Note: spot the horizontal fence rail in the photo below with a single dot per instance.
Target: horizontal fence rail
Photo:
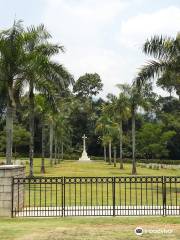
(95, 196)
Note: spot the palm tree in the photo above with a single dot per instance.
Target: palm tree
(165, 53)
(43, 148)
(112, 133)
(104, 140)
(51, 136)
(135, 96)
(42, 108)
(108, 129)
(63, 132)
(120, 110)
(101, 128)
(11, 61)
(41, 73)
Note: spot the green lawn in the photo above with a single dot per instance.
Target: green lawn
(96, 228)
(88, 228)
(101, 193)
(95, 168)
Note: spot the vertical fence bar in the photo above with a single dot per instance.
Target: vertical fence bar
(170, 189)
(40, 196)
(56, 190)
(164, 195)
(18, 198)
(29, 195)
(175, 183)
(125, 200)
(91, 196)
(107, 199)
(63, 197)
(12, 201)
(114, 195)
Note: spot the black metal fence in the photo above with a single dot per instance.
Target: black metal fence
(96, 196)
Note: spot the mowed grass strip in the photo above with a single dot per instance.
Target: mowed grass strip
(95, 168)
(81, 228)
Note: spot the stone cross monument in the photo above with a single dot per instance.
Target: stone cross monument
(84, 156)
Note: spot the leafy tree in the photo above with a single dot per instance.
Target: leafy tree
(153, 140)
(167, 81)
(88, 85)
(20, 138)
(169, 114)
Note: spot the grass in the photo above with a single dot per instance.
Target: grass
(96, 168)
(88, 228)
(92, 194)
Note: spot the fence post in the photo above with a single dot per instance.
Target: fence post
(164, 195)
(8, 192)
(114, 195)
(63, 196)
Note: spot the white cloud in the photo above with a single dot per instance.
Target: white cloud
(81, 21)
(98, 39)
(137, 29)
(81, 26)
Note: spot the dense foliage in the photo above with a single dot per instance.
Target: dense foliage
(50, 111)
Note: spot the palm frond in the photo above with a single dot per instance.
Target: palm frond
(160, 47)
(48, 49)
(151, 70)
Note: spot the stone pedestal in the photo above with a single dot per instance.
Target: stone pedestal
(7, 172)
(84, 157)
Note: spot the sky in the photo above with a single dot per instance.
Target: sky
(103, 36)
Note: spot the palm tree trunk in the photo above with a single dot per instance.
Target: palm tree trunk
(31, 126)
(9, 133)
(133, 143)
(55, 151)
(62, 150)
(43, 147)
(110, 152)
(58, 153)
(114, 156)
(15, 152)
(120, 145)
(105, 153)
(51, 144)
(9, 123)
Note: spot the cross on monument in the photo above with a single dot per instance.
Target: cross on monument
(84, 142)
(84, 156)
